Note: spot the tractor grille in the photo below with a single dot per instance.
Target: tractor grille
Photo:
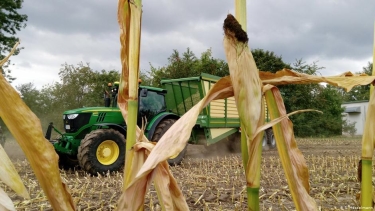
(77, 123)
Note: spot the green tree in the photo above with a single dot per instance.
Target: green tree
(10, 23)
(79, 86)
(328, 100)
(188, 65)
(31, 96)
(268, 61)
(296, 97)
(359, 93)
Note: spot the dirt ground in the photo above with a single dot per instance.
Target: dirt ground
(214, 179)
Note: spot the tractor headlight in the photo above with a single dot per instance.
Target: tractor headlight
(72, 116)
(64, 116)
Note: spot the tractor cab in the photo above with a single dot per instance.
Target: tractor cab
(151, 101)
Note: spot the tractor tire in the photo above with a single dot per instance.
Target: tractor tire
(160, 129)
(265, 141)
(233, 143)
(67, 162)
(271, 141)
(102, 151)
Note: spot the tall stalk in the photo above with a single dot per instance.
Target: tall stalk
(367, 149)
(251, 148)
(129, 15)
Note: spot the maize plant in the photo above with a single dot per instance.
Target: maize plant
(146, 162)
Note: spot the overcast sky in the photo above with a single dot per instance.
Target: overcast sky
(338, 34)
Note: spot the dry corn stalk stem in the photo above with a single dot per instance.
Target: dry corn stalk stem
(137, 146)
(247, 88)
(368, 144)
(129, 18)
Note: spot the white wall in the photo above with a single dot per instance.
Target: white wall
(356, 112)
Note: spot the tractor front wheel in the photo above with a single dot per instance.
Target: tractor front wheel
(102, 151)
(162, 127)
(67, 162)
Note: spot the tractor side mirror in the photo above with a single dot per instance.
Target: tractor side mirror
(143, 92)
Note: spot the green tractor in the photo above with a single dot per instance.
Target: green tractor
(95, 137)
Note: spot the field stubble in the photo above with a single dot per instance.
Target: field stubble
(216, 181)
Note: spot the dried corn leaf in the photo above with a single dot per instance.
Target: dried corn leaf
(168, 189)
(26, 129)
(346, 80)
(5, 202)
(170, 195)
(255, 154)
(132, 198)
(293, 162)
(9, 175)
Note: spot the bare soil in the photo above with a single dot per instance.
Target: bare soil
(213, 179)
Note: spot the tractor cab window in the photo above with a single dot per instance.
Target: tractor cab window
(151, 103)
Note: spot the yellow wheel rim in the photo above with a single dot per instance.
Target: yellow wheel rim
(107, 152)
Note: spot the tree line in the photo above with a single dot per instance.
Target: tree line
(78, 86)
(81, 86)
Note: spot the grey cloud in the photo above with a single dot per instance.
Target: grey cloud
(334, 32)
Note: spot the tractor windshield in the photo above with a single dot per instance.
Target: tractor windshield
(151, 104)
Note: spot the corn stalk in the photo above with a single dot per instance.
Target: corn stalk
(251, 147)
(248, 97)
(368, 142)
(129, 18)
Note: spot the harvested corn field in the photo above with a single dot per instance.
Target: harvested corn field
(210, 182)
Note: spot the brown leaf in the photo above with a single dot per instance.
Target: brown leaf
(293, 162)
(346, 80)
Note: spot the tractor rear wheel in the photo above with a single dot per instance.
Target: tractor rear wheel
(162, 127)
(102, 151)
(270, 138)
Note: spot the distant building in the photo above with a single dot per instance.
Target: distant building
(356, 112)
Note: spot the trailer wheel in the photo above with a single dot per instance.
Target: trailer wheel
(67, 162)
(161, 128)
(102, 151)
(234, 143)
(265, 141)
(270, 138)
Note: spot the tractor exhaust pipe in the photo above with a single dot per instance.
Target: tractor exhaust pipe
(49, 131)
